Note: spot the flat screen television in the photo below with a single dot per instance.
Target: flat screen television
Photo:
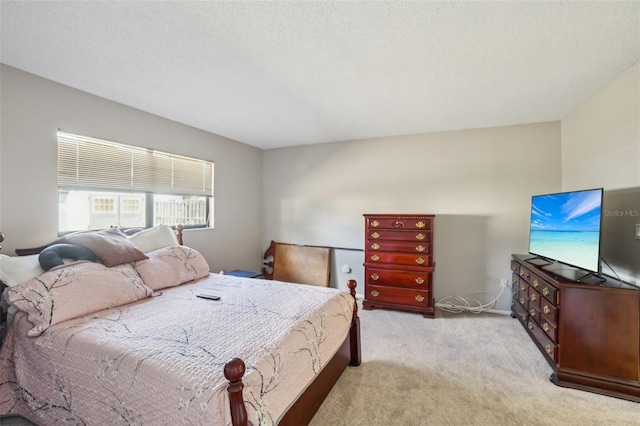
(565, 227)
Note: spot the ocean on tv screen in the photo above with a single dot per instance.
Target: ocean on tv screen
(566, 227)
(580, 249)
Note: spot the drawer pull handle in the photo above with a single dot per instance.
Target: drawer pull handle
(523, 316)
(375, 293)
(375, 235)
(420, 248)
(375, 223)
(545, 327)
(375, 277)
(548, 349)
(535, 283)
(513, 303)
(545, 291)
(398, 224)
(419, 280)
(375, 246)
(532, 312)
(420, 225)
(420, 237)
(546, 309)
(420, 261)
(522, 272)
(522, 300)
(375, 257)
(523, 287)
(530, 325)
(534, 297)
(513, 267)
(515, 280)
(419, 298)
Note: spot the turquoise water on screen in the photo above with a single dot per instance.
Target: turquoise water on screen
(578, 248)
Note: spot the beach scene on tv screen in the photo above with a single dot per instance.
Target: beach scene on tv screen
(566, 227)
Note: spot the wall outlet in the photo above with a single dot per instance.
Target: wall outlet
(504, 282)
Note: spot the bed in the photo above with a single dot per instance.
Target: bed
(133, 343)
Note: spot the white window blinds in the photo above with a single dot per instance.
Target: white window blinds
(93, 164)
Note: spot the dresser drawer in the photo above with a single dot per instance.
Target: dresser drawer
(536, 282)
(515, 267)
(534, 298)
(519, 311)
(418, 298)
(548, 328)
(550, 311)
(523, 298)
(398, 259)
(515, 289)
(534, 312)
(518, 284)
(525, 274)
(395, 278)
(415, 236)
(414, 223)
(398, 246)
(549, 292)
(547, 345)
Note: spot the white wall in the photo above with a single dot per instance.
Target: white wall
(478, 182)
(601, 148)
(33, 109)
(601, 138)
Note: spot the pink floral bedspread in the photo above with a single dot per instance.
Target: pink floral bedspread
(159, 361)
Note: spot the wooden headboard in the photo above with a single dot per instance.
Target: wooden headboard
(297, 264)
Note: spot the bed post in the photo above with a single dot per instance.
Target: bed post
(179, 229)
(267, 264)
(233, 372)
(354, 333)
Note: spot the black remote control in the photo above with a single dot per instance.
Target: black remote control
(208, 296)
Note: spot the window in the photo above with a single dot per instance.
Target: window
(103, 205)
(102, 184)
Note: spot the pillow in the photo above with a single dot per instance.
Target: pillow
(154, 238)
(53, 255)
(75, 290)
(15, 270)
(111, 246)
(171, 266)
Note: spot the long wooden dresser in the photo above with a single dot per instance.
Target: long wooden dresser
(398, 262)
(588, 333)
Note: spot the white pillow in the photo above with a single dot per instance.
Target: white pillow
(15, 270)
(154, 238)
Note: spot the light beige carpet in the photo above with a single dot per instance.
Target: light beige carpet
(459, 369)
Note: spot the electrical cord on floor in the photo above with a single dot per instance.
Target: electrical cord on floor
(457, 304)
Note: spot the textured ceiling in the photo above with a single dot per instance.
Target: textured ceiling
(275, 74)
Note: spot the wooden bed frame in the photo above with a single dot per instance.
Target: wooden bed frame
(294, 263)
(304, 408)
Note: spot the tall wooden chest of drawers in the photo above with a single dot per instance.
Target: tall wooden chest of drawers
(398, 262)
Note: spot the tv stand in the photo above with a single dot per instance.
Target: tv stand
(588, 333)
(592, 274)
(543, 261)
